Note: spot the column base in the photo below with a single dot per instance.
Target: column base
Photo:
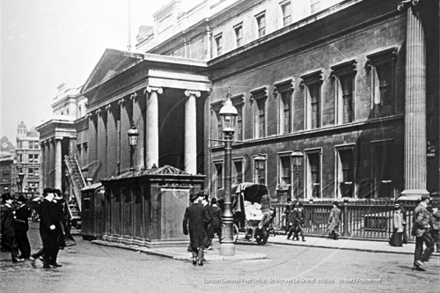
(413, 194)
(227, 249)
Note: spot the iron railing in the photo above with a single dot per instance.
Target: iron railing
(362, 219)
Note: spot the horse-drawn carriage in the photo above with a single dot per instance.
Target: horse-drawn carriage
(249, 202)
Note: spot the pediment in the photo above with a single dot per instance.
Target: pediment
(110, 64)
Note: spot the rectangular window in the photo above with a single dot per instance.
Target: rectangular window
(286, 113)
(285, 171)
(315, 101)
(237, 172)
(383, 170)
(37, 145)
(239, 35)
(345, 173)
(219, 44)
(239, 123)
(313, 175)
(261, 117)
(31, 145)
(287, 13)
(218, 175)
(260, 171)
(261, 25)
(346, 101)
(381, 68)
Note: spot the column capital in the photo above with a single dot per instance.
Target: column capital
(108, 107)
(58, 138)
(121, 102)
(193, 93)
(98, 111)
(133, 96)
(149, 89)
(406, 3)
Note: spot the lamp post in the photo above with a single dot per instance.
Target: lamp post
(260, 162)
(133, 134)
(228, 114)
(297, 158)
(20, 179)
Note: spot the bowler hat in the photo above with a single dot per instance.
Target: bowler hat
(46, 191)
(21, 198)
(6, 196)
(425, 196)
(193, 197)
(335, 203)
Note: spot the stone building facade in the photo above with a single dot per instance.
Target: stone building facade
(353, 85)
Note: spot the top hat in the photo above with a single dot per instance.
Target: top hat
(46, 191)
(193, 197)
(6, 196)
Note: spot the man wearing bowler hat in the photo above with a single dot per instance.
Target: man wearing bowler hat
(194, 224)
(421, 231)
(21, 215)
(7, 227)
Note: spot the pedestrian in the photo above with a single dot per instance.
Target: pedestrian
(216, 223)
(21, 216)
(205, 203)
(404, 221)
(334, 220)
(50, 229)
(298, 222)
(421, 231)
(262, 234)
(435, 226)
(8, 241)
(396, 237)
(194, 224)
(63, 215)
(287, 215)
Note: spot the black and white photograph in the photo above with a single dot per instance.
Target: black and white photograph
(220, 146)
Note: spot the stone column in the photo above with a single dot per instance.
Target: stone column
(112, 140)
(92, 152)
(58, 164)
(101, 143)
(415, 103)
(50, 163)
(125, 126)
(152, 126)
(42, 171)
(190, 152)
(138, 120)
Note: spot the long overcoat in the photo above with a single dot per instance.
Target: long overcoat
(216, 222)
(49, 216)
(334, 219)
(194, 224)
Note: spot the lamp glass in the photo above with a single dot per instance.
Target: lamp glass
(228, 114)
(133, 134)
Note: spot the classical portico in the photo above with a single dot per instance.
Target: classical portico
(57, 139)
(162, 96)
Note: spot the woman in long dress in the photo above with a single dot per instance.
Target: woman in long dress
(396, 237)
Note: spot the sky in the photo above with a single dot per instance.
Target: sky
(48, 42)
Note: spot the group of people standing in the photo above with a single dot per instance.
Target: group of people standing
(202, 220)
(54, 227)
(14, 227)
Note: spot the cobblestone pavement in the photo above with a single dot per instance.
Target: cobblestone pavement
(93, 268)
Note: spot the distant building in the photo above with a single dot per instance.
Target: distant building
(27, 159)
(7, 167)
(59, 135)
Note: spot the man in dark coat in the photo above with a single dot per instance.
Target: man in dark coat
(298, 222)
(334, 221)
(421, 230)
(8, 227)
(288, 215)
(194, 224)
(22, 214)
(50, 229)
(215, 227)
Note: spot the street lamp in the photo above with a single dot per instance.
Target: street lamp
(297, 158)
(133, 134)
(228, 114)
(260, 162)
(20, 179)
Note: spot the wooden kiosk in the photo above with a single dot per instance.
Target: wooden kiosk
(147, 207)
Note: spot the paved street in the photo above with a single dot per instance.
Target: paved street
(95, 268)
